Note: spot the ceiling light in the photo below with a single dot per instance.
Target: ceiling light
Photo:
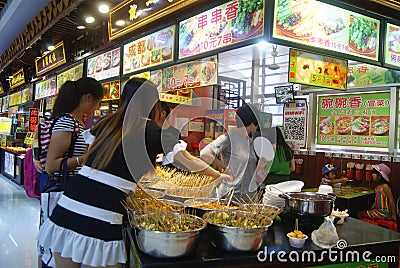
(10, 77)
(51, 47)
(120, 23)
(81, 27)
(104, 8)
(89, 19)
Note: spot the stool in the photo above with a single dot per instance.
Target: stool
(392, 225)
(369, 221)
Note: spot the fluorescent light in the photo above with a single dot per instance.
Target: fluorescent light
(81, 27)
(89, 19)
(104, 8)
(120, 23)
(51, 47)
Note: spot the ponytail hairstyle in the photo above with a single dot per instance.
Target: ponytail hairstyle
(70, 94)
(108, 130)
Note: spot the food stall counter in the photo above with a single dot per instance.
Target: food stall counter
(359, 236)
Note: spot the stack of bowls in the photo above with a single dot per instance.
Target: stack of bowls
(272, 192)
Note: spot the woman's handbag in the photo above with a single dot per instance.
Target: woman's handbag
(51, 193)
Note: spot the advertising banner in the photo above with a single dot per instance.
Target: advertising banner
(27, 94)
(15, 99)
(72, 74)
(105, 65)
(368, 75)
(392, 46)
(33, 119)
(18, 78)
(229, 23)
(177, 81)
(317, 24)
(152, 50)
(317, 70)
(295, 123)
(45, 88)
(112, 90)
(354, 120)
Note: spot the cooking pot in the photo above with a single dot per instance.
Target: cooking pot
(309, 204)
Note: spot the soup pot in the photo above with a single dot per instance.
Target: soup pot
(309, 204)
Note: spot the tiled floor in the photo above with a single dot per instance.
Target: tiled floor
(19, 221)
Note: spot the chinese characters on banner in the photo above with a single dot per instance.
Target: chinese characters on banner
(317, 24)
(177, 81)
(368, 75)
(227, 24)
(72, 74)
(51, 60)
(392, 47)
(295, 123)
(149, 51)
(105, 65)
(317, 70)
(354, 120)
(33, 119)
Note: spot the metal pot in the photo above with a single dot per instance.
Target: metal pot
(309, 204)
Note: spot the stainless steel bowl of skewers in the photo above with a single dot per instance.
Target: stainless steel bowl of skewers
(236, 231)
(167, 235)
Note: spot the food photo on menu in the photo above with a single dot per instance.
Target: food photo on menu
(343, 125)
(360, 125)
(327, 125)
(380, 125)
(362, 34)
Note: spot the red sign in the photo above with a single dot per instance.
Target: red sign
(33, 119)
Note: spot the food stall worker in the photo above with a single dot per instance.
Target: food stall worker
(237, 152)
(328, 171)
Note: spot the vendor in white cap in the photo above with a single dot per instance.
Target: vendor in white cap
(328, 171)
(383, 207)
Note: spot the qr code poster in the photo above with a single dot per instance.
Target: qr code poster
(295, 123)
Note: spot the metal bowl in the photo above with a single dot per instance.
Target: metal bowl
(309, 203)
(234, 239)
(167, 244)
(176, 205)
(192, 206)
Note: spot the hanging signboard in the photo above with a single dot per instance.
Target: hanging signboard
(18, 78)
(149, 51)
(26, 94)
(112, 90)
(51, 60)
(392, 46)
(368, 75)
(354, 120)
(133, 14)
(72, 74)
(295, 123)
(15, 98)
(321, 25)
(177, 81)
(317, 70)
(105, 65)
(45, 88)
(33, 119)
(227, 24)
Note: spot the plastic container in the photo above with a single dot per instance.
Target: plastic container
(297, 242)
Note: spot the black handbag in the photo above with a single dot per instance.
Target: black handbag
(58, 183)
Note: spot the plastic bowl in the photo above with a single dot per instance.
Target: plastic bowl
(297, 242)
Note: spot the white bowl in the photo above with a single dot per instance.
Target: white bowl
(297, 242)
(325, 189)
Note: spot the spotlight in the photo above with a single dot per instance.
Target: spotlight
(89, 19)
(81, 27)
(51, 47)
(103, 8)
(120, 23)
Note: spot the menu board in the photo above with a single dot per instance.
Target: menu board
(177, 81)
(15, 99)
(45, 88)
(368, 75)
(5, 125)
(6, 100)
(295, 123)
(27, 94)
(226, 24)
(354, 120)
(112, 90)
(321, 25)
(149, 51)
(317, 70)
(105, 65)
(72, 74)
(392, 46)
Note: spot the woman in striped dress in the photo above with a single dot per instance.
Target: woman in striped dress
(384, 206)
